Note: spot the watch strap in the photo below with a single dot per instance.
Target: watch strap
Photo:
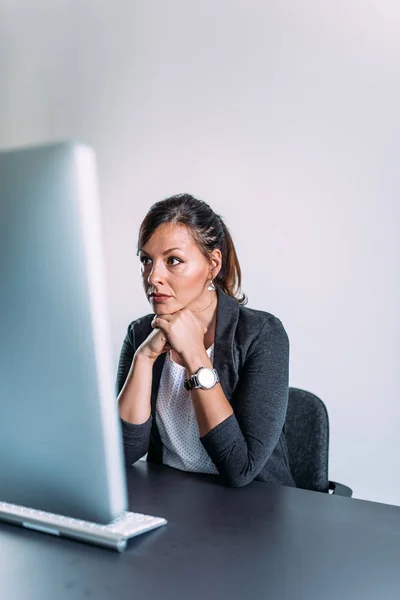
(192, 382)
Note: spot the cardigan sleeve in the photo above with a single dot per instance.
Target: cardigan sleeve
(241, 445)
(136, 438)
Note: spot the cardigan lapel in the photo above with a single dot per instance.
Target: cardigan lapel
(155, 448)
(224, 355)
(157, 370)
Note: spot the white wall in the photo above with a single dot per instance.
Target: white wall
(284, 116)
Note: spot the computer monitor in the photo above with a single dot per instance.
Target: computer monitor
(60, 440)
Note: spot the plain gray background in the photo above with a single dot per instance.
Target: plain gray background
(284, 116)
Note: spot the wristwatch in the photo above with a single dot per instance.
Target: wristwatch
(204, 378)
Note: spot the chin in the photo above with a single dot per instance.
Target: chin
(166, 309)
(161, 311)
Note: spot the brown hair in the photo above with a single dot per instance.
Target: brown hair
(208, 230)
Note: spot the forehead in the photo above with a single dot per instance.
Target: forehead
(171, 235)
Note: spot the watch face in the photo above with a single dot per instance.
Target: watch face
(206, 377)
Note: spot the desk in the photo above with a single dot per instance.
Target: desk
(257, 542)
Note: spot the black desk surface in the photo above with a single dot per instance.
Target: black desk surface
(258, 542)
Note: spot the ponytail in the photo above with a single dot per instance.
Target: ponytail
(229, 279)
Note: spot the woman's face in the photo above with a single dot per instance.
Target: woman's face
(172, 264)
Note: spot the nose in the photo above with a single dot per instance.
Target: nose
(155, 275)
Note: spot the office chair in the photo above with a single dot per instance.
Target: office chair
(307, 435)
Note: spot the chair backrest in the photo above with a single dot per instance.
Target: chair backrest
(307, 436)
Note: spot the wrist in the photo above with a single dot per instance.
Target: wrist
(143, 358)
(195, 361)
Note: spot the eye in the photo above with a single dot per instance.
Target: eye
(174, 258)
(145, 260)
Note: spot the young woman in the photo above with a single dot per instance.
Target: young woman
(202, 381)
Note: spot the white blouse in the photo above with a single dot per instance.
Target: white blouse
(177, 423)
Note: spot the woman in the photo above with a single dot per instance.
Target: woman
(202, 384)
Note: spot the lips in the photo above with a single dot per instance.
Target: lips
(159, 296)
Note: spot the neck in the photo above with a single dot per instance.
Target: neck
(207, 315)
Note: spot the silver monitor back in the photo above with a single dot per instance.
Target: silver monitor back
(60, 440)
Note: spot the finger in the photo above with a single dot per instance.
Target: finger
(160, 323)
(168, 317)
(164, 338)
(154, 323)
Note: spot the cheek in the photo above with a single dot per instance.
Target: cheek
(190, 275)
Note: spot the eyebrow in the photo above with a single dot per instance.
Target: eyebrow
(165, 252)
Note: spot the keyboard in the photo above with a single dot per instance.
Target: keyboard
(115, 535)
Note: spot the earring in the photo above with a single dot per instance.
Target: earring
(211, 287)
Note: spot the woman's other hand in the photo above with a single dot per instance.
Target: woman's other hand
(183, 331)
(155, 344)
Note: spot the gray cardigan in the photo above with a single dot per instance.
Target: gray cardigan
(251, 355)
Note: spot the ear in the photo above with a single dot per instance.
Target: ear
(215, 262)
